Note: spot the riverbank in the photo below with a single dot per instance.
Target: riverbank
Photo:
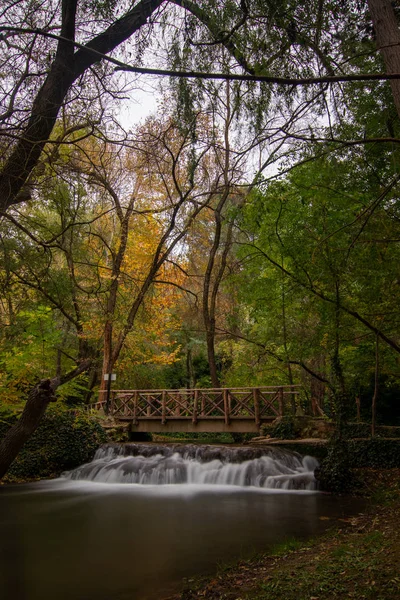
(357, 558)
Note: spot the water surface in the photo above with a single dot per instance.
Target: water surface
(77, 540)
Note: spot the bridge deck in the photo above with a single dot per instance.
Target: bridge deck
(199, 410)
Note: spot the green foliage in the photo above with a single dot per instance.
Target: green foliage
(63, 440)
(334, 474)
(387, 405)
(100, 8)
(204, 437)
(356, 430)
(312, 242)
(363, 430)
(285, 429)
(29, 352)
(375, 453)
(176, 376)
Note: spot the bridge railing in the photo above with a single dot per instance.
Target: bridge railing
(227, 404)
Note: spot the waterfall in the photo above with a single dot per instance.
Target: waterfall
(268, 468)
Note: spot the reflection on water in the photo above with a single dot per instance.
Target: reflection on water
(67, 540)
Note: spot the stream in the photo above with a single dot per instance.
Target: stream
(139, 518)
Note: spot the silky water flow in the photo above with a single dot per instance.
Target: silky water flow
(268, 468)
(140, 517)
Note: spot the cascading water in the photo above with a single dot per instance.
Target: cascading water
(267, 468)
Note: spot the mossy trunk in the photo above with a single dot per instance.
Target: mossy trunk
(38, 400)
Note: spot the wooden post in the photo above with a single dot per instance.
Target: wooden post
(196, 396)
(226, 406)
(178, 399)
(280, 402)
(256, 399)
(203, 404)
(135, 407)
(163, 408)
(148, 406)
(108, 394)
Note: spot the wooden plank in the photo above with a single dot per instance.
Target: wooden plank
(222, 405)
(204, 425)
(232, 389)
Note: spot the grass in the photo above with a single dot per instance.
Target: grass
(352, 569)
(358, 559)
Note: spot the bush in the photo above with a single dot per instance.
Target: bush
(335, 473)
(64, 440)
(375, 453)
(356, 430)
(363, 430)
(284, 428)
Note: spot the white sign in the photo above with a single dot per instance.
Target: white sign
(113, 376)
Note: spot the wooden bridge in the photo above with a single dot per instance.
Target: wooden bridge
(199, 410)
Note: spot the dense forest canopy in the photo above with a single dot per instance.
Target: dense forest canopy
(246, 233)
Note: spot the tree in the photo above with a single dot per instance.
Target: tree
(75, 47)
(334, 246)
(164, 194)
(52, 73)
(387, 32)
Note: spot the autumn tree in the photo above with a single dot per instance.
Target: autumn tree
(67, 62)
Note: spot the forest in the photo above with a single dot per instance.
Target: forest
(245, 232)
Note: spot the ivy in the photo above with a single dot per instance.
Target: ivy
(64, 440)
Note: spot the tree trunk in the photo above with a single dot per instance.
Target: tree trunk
(190, 374)
(67, 67)
(340, 393)
(375, 396)
(284, 331)
(387, 41)
(107, 360)
(212, 362)
(93, 378)
(38, 400)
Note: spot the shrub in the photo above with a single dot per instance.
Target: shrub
(375, 453)
(63, 440)
(363, 430)
(334, 474)
(356, 430)
(284, 428)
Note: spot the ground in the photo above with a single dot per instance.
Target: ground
(357, 558)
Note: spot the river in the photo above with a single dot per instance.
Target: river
(78, 538)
